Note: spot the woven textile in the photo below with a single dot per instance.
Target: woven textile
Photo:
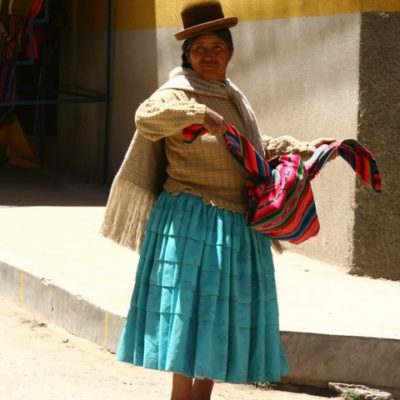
(10, 37)
(6, 81)
(15, 7)
(281, 201)
(10, 47)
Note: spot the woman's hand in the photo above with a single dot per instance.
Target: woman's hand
(214, 122)
(313, 145)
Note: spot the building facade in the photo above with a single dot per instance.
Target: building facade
(310, 69)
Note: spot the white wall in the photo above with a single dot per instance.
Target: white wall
(302, 77)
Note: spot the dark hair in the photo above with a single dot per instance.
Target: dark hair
(224, 33)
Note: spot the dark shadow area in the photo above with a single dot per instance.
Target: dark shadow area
(43, 187)
(377, 217)
(73, 152)
(135, 77)
(300, 389)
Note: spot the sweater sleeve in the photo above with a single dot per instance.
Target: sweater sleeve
(284, 145)
(166, 113)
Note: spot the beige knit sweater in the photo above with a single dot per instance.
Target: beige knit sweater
(205, 167)
(158, 158)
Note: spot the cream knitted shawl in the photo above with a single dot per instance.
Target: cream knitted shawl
(142, 174)
(187, 80)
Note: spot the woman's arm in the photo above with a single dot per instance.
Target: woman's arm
(166, 113)
(284, 145)
(289, 145)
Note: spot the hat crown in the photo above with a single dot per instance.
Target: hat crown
(203, 16)
(199, 12)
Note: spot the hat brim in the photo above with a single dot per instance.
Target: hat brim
(206, 27)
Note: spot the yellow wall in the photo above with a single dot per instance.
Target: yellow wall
(142, 14)
(168, 13)
(127, 14)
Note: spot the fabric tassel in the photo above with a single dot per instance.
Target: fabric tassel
(127, 212)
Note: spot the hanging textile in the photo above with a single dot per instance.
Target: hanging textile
(15, 7)
(10, 47)
(10, 37)
(14, 20)
(30, 50)
(6, 82)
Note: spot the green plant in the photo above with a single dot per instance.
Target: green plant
(263, 385)
(351, 395)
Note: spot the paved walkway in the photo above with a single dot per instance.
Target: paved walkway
(60, 366)
(49, 227)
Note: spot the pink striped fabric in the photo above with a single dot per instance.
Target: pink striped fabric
(281, 201)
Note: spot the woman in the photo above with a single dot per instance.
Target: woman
(204, 305)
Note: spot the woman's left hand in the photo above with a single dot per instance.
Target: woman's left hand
(313, 145)
(214, 122)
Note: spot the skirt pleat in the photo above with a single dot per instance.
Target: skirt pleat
(204, 302)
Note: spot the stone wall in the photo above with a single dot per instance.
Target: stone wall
(377, 218)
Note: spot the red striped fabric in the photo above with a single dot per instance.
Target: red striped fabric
(7, 81)
(10, 37)
(281, 201)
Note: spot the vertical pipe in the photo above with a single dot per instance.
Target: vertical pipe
(42, 132)
(41, 95)
(106, 150)
(74, 53)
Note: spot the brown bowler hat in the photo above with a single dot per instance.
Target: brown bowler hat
(203, 16)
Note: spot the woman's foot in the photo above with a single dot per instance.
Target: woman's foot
(181, 387)
(202, 389)
(185, 388)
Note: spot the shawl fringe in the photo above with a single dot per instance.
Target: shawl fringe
(127, 212)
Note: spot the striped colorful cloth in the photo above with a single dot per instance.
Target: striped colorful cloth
(281, 201)
(10, 47)
(356, 155)
(7, 82)
(10, 37)
(15, 7)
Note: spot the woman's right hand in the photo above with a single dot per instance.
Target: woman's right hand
(214, 122)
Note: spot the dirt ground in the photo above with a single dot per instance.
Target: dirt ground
(40, 361)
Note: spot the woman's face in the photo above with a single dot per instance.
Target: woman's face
(209, 56)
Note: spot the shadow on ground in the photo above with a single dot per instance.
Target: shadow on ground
(300, 389)
(42, 187)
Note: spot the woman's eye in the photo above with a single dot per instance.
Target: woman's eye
(214, 49)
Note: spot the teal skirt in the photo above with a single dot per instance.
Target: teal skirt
(204, 302)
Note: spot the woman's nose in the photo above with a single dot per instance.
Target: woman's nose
(209, 53)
